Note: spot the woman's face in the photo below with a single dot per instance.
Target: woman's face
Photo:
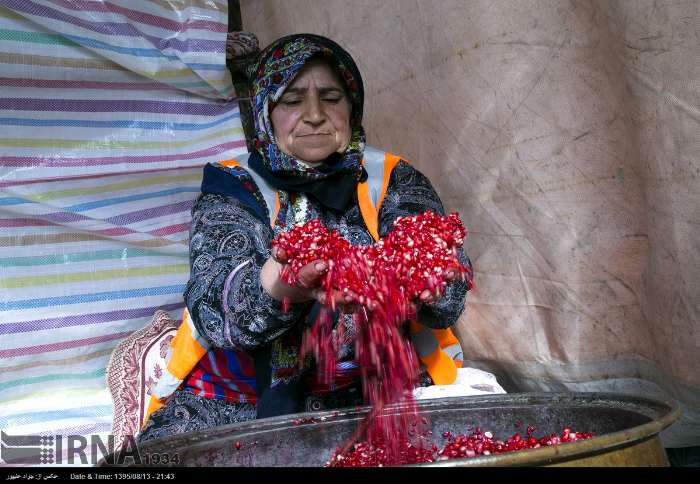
(312, 118)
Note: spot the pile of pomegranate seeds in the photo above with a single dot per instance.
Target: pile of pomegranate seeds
(364, 454)
(385, 280)
(477, 443)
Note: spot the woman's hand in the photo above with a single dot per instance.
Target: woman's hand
(427, 296)
(309, 287)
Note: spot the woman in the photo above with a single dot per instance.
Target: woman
(309, 150)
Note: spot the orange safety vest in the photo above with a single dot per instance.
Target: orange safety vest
(437, 349)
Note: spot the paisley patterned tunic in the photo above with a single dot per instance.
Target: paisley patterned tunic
(230, 240)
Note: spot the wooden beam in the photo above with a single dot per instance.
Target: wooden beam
(239, 76)
(234, 16)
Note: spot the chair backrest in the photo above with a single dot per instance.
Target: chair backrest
(135, 367)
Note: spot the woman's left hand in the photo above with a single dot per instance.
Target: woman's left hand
(451, 275)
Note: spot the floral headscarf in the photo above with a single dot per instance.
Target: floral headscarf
(278, 65)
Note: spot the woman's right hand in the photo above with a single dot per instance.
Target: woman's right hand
(309, 286)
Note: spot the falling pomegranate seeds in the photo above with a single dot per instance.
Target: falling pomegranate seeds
(385, 280)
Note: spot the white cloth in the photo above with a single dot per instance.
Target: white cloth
(470, 381)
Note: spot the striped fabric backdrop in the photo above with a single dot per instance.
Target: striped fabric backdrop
(108, 111)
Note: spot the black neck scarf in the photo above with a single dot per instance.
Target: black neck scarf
(335, 190)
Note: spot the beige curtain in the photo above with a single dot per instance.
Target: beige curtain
(567, 136)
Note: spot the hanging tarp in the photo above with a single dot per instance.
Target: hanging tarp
(108, 111)
(566, 135)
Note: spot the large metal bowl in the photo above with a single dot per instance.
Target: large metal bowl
(626, 432)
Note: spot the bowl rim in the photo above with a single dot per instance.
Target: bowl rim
(662, 412)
